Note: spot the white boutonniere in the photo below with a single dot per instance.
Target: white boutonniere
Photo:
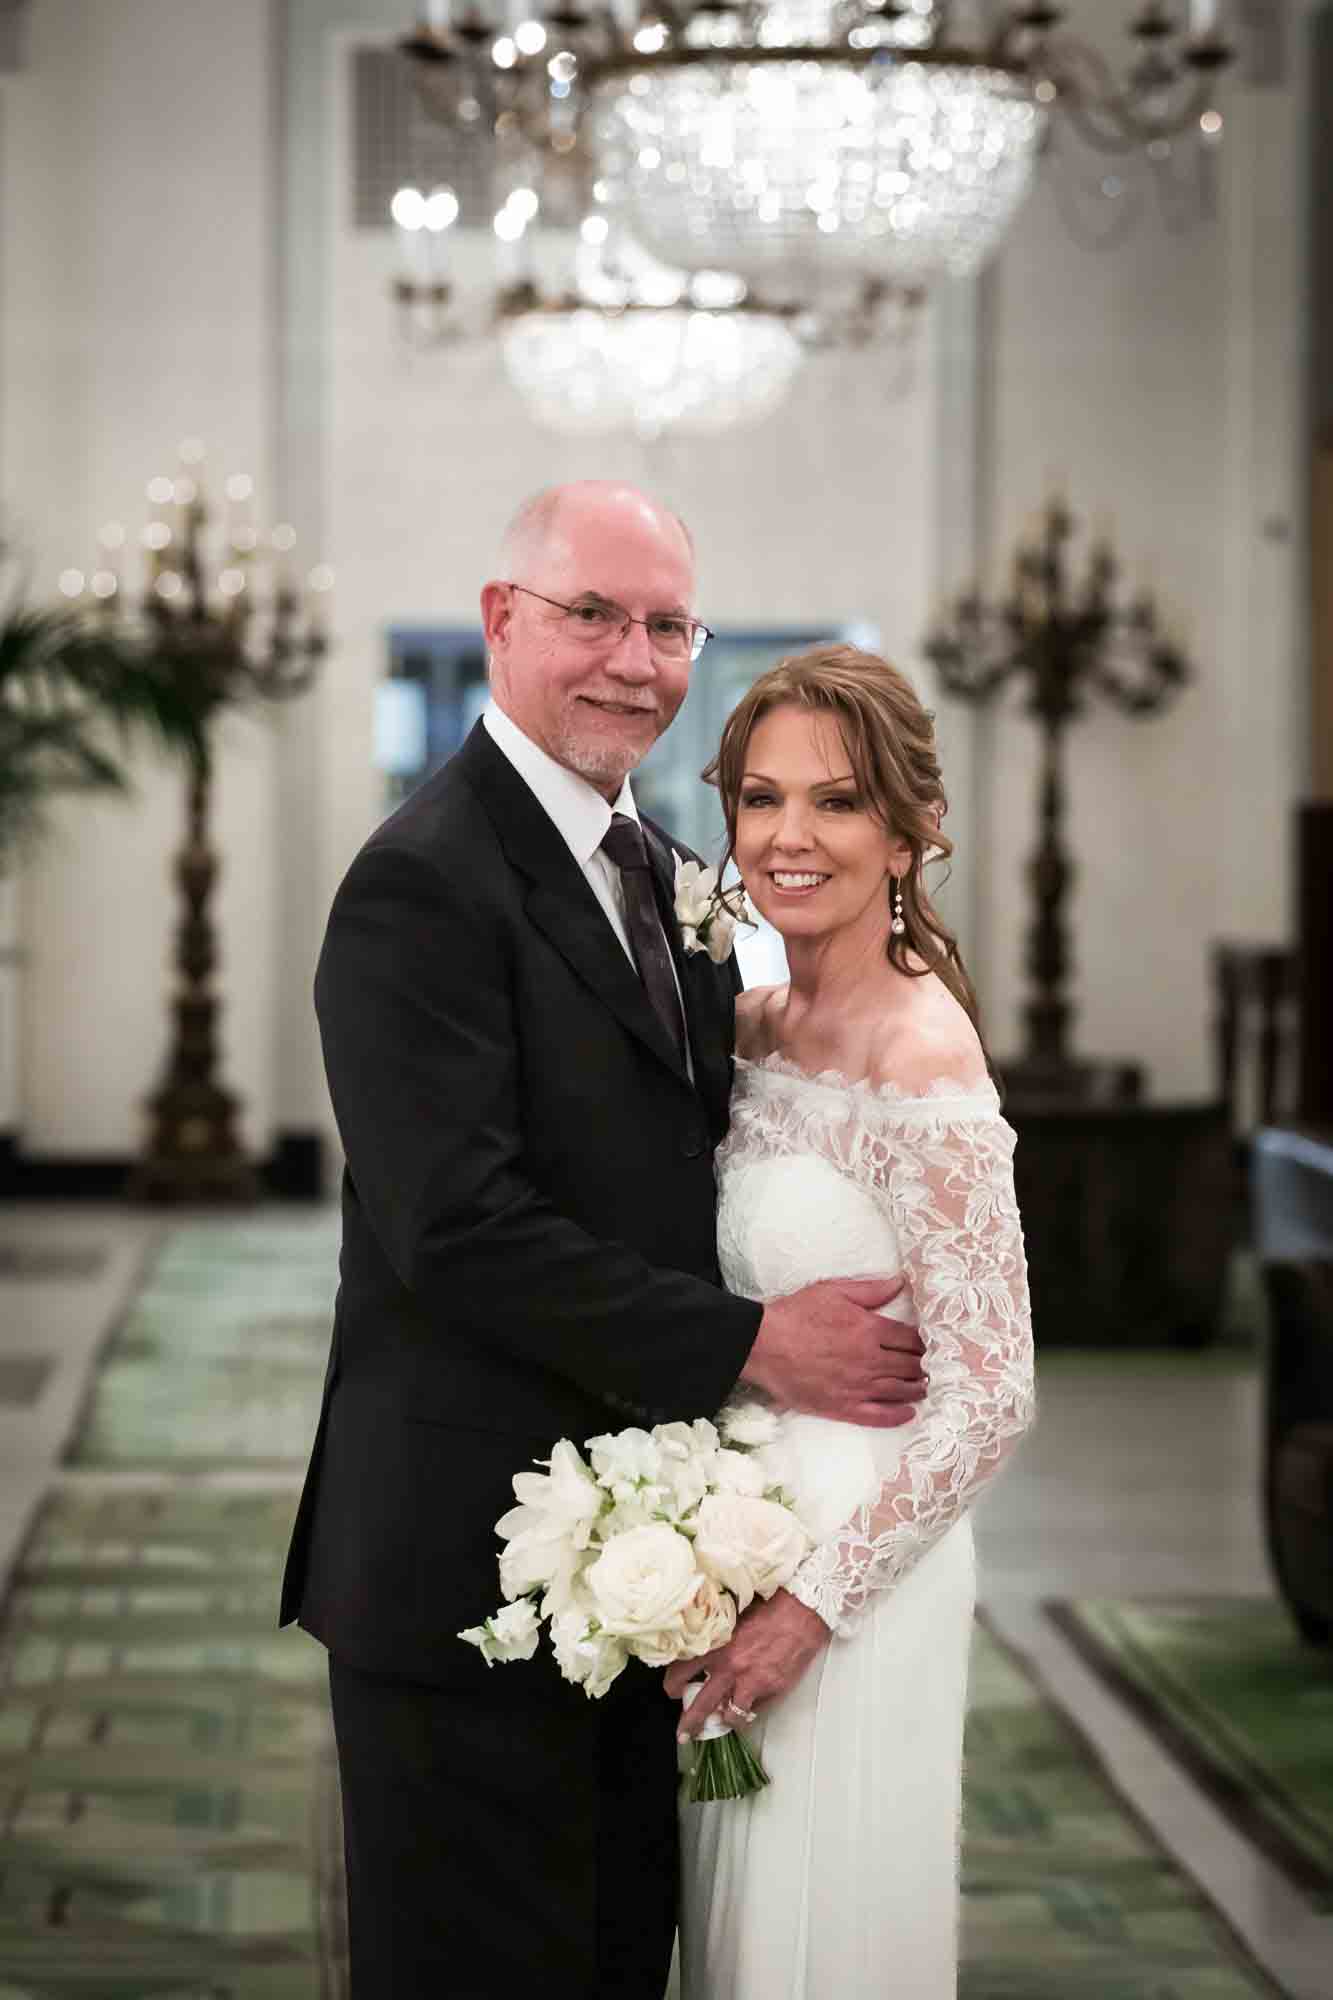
(708, 915)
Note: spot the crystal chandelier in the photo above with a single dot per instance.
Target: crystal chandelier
(811, 177)
(651, 370)
(637, 346)
(815, 147)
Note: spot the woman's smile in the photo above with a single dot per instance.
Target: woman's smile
(796, 882)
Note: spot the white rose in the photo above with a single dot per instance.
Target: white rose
(642, 1579)
(660, 1648)
(705, 1623)
(510, 1635)
(708, 1620)
(750, 1546)
(748, 1424)
(739, 1472)
(592, 1660)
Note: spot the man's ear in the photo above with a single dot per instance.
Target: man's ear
(497, 607)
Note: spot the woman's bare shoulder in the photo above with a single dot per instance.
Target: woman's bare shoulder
(931, 1041)
(755, 1007)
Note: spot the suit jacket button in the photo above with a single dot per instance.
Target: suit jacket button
(693, 1145)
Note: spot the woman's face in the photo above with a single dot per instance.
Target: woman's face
(813, 857)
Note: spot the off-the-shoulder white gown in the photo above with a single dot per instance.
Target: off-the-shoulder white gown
(839, 1881)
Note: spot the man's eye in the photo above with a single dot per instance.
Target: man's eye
(663, 626)
(591, 614)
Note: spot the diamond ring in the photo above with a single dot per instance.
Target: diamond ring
(742, 1714)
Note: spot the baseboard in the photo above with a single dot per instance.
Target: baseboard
(293, 1171)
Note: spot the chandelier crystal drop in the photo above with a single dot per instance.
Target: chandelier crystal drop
(651, 370)
(808, 179)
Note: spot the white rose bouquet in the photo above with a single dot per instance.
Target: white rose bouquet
(648, 1549)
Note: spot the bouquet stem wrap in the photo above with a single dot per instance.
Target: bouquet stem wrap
(722, 1765)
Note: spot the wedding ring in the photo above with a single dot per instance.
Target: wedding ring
(741, 1714)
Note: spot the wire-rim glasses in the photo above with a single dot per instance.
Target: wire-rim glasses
(595, 620)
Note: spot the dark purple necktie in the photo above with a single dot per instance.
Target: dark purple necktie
(623, 845)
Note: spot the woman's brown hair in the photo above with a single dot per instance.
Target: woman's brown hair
(890, 739)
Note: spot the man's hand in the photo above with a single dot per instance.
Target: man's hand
(770, 1649)
(827, 1352)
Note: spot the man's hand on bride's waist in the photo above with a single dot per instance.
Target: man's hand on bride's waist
(827, 1351)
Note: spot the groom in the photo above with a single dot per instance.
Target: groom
(529, 1076)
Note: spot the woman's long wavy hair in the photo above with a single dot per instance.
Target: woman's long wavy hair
(890, 739)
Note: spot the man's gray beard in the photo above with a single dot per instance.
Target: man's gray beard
(598, 763)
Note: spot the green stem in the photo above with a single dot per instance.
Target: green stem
(724, 1767)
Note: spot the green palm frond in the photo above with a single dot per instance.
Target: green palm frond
(76, 696)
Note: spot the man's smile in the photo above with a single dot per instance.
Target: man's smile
(619, 707)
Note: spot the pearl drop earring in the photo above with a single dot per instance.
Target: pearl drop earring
(898, 927)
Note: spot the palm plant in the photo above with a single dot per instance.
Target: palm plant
(74, 694)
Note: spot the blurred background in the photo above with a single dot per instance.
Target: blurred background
(997, 337)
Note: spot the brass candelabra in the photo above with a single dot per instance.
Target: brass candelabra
(226, 627)
(1064, 643)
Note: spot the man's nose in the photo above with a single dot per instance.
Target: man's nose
(631, 659)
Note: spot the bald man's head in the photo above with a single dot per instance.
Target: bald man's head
(588, 687)
(538, 518)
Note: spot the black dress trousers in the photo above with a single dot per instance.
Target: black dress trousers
(480, 1846)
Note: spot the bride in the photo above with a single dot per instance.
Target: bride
(865, 1137)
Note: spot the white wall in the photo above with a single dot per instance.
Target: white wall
(138, 273)
(1161, 385)
(135, 265)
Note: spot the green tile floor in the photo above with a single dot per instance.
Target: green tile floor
(1230, 1690)
(168, 1805)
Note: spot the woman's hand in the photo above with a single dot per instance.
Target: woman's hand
(768, 1652)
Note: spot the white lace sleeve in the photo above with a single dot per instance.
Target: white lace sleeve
(947, 1184)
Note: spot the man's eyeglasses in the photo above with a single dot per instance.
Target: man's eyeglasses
(596, 620)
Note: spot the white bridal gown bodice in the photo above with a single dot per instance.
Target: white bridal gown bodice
(841, 1877)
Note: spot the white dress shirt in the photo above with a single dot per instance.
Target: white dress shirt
(582, 818)
(581, 815)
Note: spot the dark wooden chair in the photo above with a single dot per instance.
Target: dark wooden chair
(1292, 1176)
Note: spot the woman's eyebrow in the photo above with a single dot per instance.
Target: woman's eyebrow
(762, 777)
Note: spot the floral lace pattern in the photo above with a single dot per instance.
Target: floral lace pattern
(937, 1164)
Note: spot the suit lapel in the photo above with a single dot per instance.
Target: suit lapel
(560, 900)
(700, 984)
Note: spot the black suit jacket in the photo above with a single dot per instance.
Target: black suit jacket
(528, 1206)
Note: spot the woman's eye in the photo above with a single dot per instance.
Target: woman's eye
(756, 798)
(841, 802)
